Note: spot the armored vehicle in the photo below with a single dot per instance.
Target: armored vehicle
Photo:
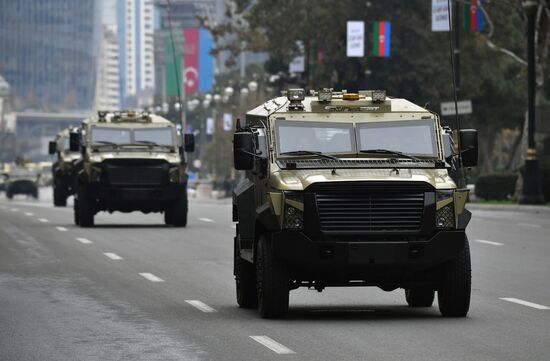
(130, 162)
(64, 168)
(22, 181)
(350, 189)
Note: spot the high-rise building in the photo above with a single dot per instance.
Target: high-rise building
(108, 76)
(48, 52)
(136, 48)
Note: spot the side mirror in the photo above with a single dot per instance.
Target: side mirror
(243, 151)
(52, 147)
(468, 145)
(189, 142)
(74, 142)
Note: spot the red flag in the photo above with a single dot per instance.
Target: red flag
(473, 15)
(191, 60)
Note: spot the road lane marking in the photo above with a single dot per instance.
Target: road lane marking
(61, 229)
(208, 220)
(272, 345)
(530, 225)
(43, 220)
(525, 303)
(489, 242)
(84, 240)
(234, 226)
(151, 277)
(14, 209)
(29, 214)
(200, 305)
(113, 256)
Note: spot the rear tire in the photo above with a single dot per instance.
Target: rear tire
(454, 293)
(9, 194)
(178, 213)
(245, 280)
(86, 211)
(419, 297)
(272, 282)
(76, 211)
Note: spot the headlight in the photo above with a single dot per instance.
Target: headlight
(175, 175)
(294, 211)
(445, 211)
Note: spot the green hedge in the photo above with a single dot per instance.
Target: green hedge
(496, 186)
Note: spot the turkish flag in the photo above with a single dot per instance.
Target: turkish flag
(191, 60)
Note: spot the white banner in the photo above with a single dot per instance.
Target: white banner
(298, 64)
(356, 39)
(440, 15)
(227, 121)
(209, 125)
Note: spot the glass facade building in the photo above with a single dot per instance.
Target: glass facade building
(48, 52)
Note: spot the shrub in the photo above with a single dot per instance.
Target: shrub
(496, 186)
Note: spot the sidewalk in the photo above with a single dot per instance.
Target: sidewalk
(509, 208)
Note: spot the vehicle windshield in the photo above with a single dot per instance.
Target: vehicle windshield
(409, 137)
(315, 136)
(158, 136)
(102, 136)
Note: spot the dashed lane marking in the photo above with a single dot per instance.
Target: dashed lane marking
(206, 220)
(234, 226)
(151, 277)
(113, 256)
(201, 306)
(43, 220)
(525, 303)
(530, 225)
(83, 240)
(272, 345)
(489, 242)
(29, 214)
(61, 229)
(14, 209)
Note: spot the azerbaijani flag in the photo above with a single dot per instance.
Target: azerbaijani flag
(473, 16)
(381, 39)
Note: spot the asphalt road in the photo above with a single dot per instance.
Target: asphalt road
(133, 289)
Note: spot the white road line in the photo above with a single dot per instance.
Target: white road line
(43, 220)
(489, 242)
(61, 229)
(113, 256)
(530, 225)
(234, 226)
(29, 214)
(200, 305)
(525, 303)
(14, 209)
(84, 240)
(206, 220)
(151, 277)
(272, 345)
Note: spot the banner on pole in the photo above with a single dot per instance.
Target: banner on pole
(473, 15)
(355, 39)
(382, 39)
(227, 121)
(298, 64)
(210, 126)
(440, 15)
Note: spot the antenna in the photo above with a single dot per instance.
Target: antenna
(453, 71)
(180, 109)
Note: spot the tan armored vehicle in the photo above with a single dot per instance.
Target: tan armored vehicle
(22, 180)
(64, 168)
(350, 190)
(131, 162)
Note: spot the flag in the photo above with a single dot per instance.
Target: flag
(473, 15)
(173, 70)
(191, 60)
(316, 54)
(381, 39)
(206, 61)
(355, 39)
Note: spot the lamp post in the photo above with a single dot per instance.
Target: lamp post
(532, 191)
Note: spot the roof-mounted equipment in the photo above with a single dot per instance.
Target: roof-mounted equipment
(296, 96)
(325, 95)
(378, 96)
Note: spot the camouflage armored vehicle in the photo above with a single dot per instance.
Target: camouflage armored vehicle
(63, 169)
(22, 181)
(131, 162)
(349, 189)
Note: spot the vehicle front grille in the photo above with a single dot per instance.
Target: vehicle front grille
(370, 207)
(135, 174)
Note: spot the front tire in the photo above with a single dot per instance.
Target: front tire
(272, 281)
(454, 293)
(86, 211)
(419, 297)
(59, 197)
(245, 280)
(177, 215)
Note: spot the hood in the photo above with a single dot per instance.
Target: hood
(301, 179)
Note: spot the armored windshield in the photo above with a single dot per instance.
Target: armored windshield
(160, 136)
(315, 136)
(103, 135)
(409, 137)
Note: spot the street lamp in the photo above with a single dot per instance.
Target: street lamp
(532, 190)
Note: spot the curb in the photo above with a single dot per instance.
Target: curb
(509, 208)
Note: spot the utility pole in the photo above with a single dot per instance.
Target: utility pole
(457, 48)
(532, 190)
